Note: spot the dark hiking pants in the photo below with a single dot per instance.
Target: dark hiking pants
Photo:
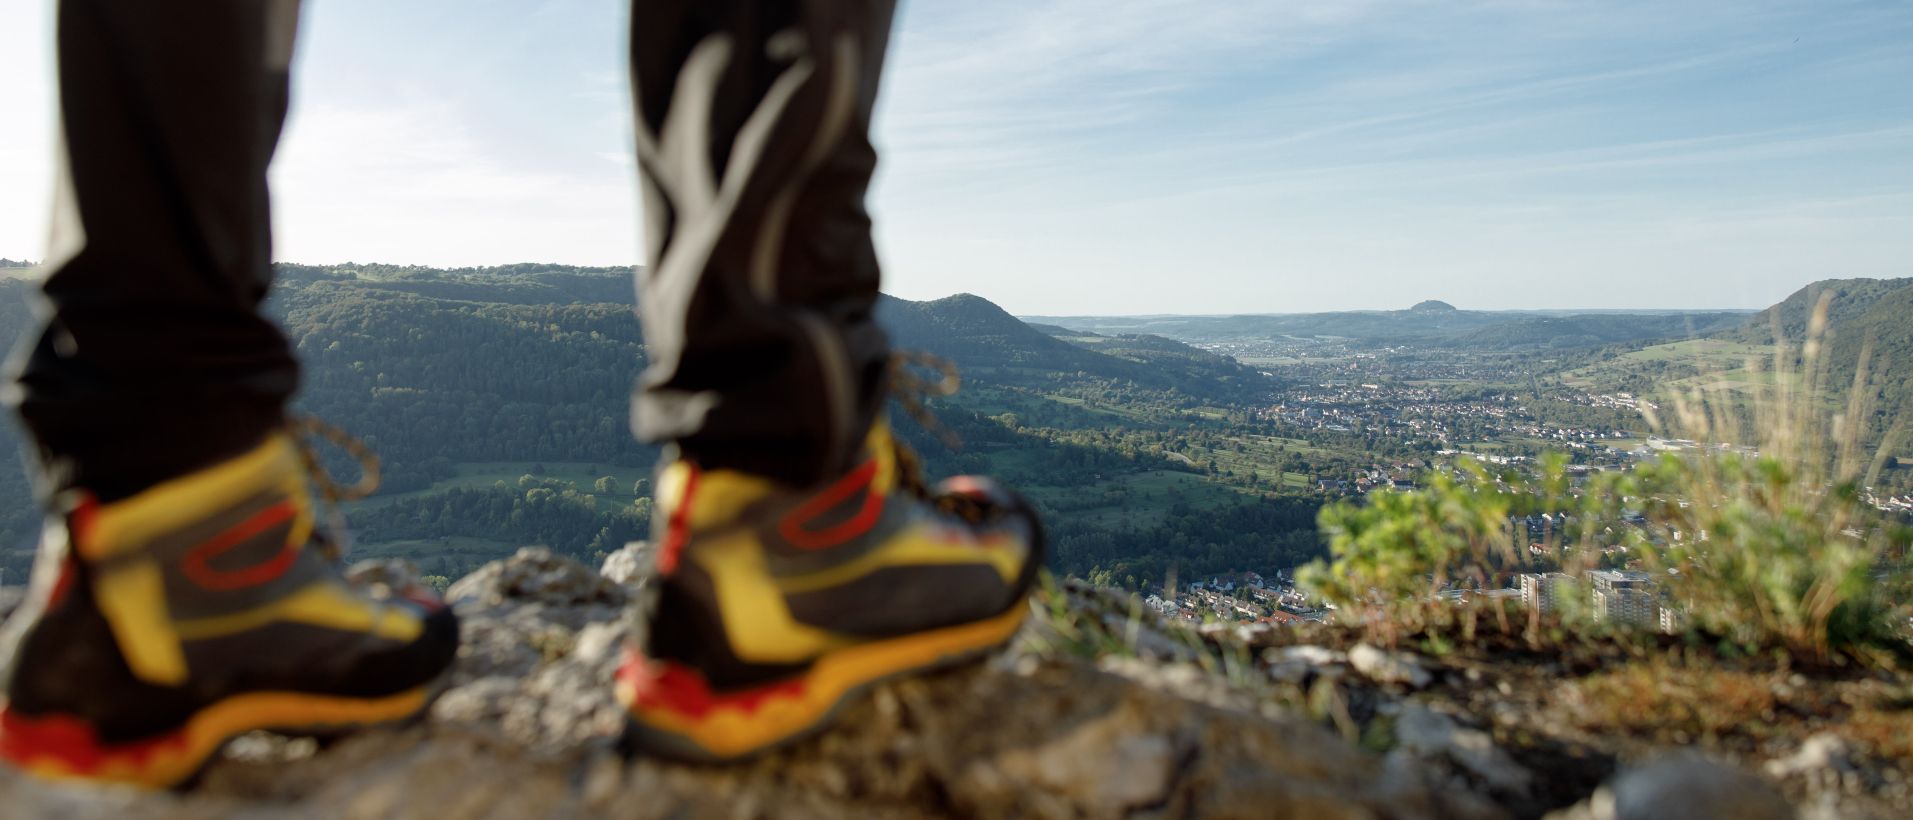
(757, 294)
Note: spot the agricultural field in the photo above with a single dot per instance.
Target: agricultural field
(1685, 363)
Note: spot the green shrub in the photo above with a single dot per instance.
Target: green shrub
(1394, 554)
(1768, 546)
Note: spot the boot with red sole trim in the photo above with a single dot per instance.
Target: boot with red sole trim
(775, 607)
(162, 625)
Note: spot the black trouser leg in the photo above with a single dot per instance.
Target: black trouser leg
(753, 121)
(153, 359)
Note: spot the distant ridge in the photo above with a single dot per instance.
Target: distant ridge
(1431, 323)
(986, 342)
(1059, 330)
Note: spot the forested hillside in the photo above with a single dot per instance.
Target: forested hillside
(1848, 300)
(434, 380)
(1865, 317)
(1883, 333)
(497, 401)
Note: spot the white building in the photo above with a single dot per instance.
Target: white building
(1540, 592)
(1626, 596)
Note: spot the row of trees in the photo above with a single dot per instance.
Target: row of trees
(541, 511)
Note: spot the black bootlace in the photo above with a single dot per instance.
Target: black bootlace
(912, 392)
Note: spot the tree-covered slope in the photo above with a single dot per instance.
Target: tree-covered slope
(1870, 319)
(442, 372)
(432, 381)
(1849, 299)
(1883, 335)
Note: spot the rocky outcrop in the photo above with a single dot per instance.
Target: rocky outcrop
(1095, 712)
(526, 730)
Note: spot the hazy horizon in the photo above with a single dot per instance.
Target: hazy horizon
(1631, 309)
(1543, 310)
(1123, 157)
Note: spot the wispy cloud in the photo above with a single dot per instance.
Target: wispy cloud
(1243, 143)
(1070, 156)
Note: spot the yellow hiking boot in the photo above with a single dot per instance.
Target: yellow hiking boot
(162, 625)
(775, 607)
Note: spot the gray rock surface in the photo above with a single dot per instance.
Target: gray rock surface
(1823, 757)
(628, 566)
(1384, 666)
(1429, 734)
(1296, 664)
(383, 576)
(527, 726)
(1683, 788)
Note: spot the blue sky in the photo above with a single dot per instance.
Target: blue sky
(1145, 156)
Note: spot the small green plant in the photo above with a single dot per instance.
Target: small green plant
(1393, 556)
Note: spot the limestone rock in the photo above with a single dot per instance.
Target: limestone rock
(541, 640)
(535, 575)
(1681, 788)
(1823, 757)
(1430, 734)
(383, 577)
(1107, 766)
(1296, 664)
(1147, 640)
(1311, 655)
(1384, 666)
(630, 565)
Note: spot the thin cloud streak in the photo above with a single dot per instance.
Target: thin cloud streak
(1075, 156)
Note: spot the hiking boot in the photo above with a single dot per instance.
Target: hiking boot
(774, 607)
(162, 625)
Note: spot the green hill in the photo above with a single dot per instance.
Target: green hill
(1885, 329)
(1863, 316)
(1851, 299)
